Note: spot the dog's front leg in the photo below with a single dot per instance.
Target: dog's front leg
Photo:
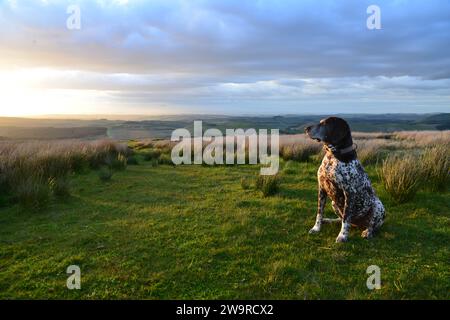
(322, 199)
(345, 226)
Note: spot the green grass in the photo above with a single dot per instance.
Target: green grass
(192, 232)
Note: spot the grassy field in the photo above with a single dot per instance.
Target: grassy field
(163, 232)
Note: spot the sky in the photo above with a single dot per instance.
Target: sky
(223, 57)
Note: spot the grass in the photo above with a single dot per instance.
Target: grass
(401, 176)
(32, 171)
(246, 183)
(436, 161)
(268, 185)
(289, 167)
(192, 232)
(105, 173)
(298, 148)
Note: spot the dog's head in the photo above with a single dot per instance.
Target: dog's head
(332, 130)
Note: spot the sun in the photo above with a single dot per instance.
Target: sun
(23, 93)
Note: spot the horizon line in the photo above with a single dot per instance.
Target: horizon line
(117, 116)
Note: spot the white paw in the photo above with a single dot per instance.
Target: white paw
(314, 229)
(366, 234)
(341, 238)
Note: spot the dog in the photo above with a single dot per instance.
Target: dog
(343, 179)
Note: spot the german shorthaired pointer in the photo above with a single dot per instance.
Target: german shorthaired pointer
(343, 179)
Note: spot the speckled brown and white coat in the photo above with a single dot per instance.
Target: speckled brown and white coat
(344, 181)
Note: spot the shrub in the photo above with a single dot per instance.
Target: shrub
(268, 185)
(436, 167)
(105, 173)
(245, 183)
(401, 176)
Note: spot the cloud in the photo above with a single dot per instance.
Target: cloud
(218, 52)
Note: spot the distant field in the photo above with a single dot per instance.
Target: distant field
(156, 231)
(43, 133)
(162, 127)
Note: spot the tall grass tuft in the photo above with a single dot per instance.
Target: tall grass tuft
(119, 163)
(33, 193)
(436, 167)
(60, 186)
(401, 176)
(300, 151)
(268, 185)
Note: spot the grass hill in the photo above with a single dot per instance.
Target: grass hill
(193, 232)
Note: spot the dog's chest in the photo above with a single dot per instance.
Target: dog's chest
(336, 175)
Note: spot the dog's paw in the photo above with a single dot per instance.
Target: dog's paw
(341, 238)
(314, 229)
(366, 234)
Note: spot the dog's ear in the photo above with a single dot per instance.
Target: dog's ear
(338, 129)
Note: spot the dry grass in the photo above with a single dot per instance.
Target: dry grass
(424, 138)
(372, 147)
(31, 171)
(298, 147)
(401, 176)
(371, 135)
(371, 151)
(268, 185)
(436, 167)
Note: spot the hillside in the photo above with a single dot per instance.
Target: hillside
(162, 127)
